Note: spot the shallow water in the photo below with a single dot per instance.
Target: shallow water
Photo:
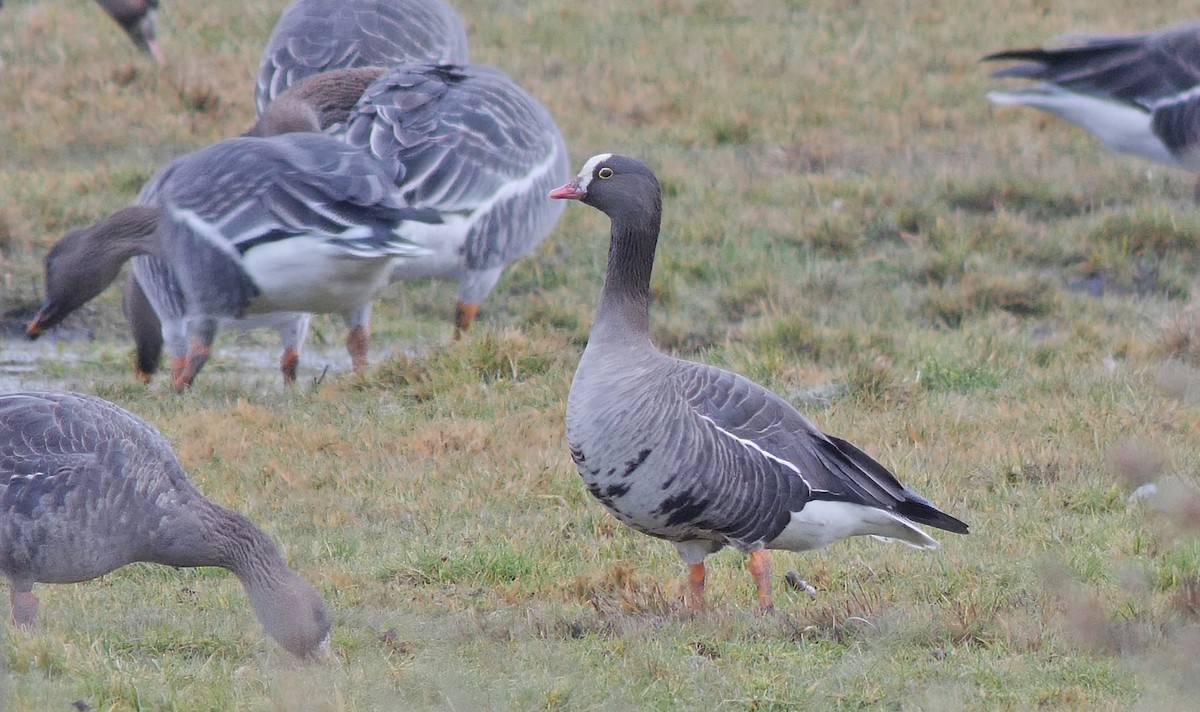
(57, 361)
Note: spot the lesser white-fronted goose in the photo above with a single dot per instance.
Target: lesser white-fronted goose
(293, 223)
(314, 36)
(700, 456)
(86, 488)
(1134, 92)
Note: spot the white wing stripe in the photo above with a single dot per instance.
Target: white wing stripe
(751, 445)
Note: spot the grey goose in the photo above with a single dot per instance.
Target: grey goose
(469, 142)
(697, 455)
(464, 140)
(314, 36)
(1137, 93)
(86, 488)
(251, 226)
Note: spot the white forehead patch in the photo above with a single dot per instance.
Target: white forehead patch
(585, 175)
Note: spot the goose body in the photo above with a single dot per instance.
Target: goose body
(467, 141)
(464, 141)
(294, 223)
(697, 455)
(86, 488)
(1134, 92)
(314, 36)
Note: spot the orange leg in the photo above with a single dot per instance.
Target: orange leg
(760, 569)
(696, 587)
(287, 365)
(140, 375)
(464, 316)
(197, 356)
(24, 608)
(356, 344)
(177, 366)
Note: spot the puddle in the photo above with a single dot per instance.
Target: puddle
(54, 362)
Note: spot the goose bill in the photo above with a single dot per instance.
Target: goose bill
(570, 191)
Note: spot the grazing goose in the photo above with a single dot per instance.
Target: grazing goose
(86, 488)
(136, 17)
(293, 223)
(314, 36)
(700, 456)
(1130, 91)
(461, 140)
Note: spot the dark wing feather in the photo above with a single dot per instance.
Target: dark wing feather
(1135, 69)
(833, 468)
(1177, 123)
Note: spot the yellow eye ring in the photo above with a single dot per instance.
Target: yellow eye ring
(605, 172)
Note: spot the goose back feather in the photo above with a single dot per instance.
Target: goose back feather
(314, 36)
(469, 142)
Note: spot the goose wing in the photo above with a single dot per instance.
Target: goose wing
(231, 197)
(1132, 68)
(780, 440)
(470, 142)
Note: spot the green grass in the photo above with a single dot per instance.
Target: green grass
(847, 221)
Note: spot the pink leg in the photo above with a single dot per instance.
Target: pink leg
(177, 366)
(464, 316)
(197, 356)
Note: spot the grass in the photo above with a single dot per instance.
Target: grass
(984, 299)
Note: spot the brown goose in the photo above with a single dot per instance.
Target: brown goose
(700, 456)
(86, 488)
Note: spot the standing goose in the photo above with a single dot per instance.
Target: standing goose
(700, 456)
(467, 141)
(86, 488)
(1128, 90)
(293, 223)
(314, 36)
(464, 140)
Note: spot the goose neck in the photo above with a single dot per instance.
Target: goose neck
(624, 307)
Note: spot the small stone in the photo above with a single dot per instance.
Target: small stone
(793, 581)
(1144, 492)
(939, 653)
